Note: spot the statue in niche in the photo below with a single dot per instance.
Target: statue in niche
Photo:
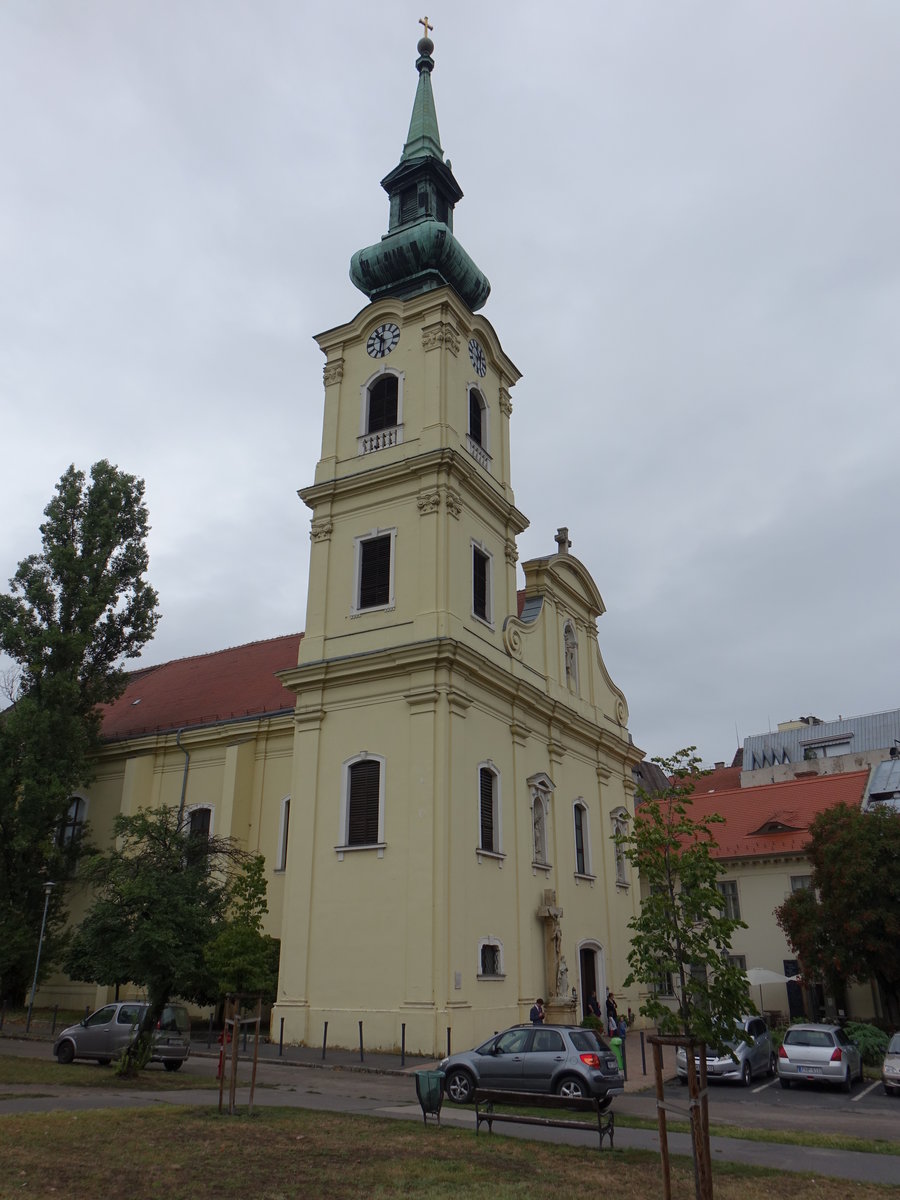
(537, 816)
(571, 648)
(562, 978)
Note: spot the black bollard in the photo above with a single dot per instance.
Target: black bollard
(361, 1055)
(281, 1039)
(448, 1041)
(403, 1044)
(55, 1015)
(643, 1053)
(209, 1032)
(324, 1040)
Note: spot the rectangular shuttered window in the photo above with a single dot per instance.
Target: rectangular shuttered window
(362, 807)
(490, 960)
(475, 417)
(375, 572)
(580, 860)
(488, 830)
(480, 584)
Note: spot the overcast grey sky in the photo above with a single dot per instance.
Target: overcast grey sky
(688, 212)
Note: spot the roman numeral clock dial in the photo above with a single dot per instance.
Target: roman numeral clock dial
(382, 340)
(476, 355)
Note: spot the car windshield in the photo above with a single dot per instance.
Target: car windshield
(894, 1044)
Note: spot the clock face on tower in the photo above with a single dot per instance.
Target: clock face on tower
(382, 340)
(476, 354)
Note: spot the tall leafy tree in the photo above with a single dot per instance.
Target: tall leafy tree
(682, 933)
(846, 926)
(162, 897)
(72, 614)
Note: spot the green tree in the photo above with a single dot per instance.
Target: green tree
(161, 897)
(241, 958)
(846, 926)
(72, 614)
(682, 932)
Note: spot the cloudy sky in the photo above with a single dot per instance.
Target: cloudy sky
(688, 212)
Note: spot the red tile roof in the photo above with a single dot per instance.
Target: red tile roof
(721, 779)
(225, 685)
(773, 818)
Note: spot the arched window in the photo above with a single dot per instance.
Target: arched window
(582, 839)
(362, 804)
(383, 395)
(477, 431)
(71, 829)
(490, 958)
(382, 412)
(489, 809)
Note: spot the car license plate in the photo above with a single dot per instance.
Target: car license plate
(810, 1070)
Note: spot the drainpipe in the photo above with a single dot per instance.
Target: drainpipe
(187, 763)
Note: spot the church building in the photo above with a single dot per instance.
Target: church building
(436, 770)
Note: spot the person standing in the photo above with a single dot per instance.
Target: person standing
(612, 1013)
(536, 1016)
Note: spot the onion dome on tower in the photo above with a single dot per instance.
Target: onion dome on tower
(419, 252)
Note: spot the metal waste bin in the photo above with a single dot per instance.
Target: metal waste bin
(430, 1090)
(615, 1044)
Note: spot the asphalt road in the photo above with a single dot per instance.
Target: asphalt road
(349, 1088)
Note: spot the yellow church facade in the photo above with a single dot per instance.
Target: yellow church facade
(436, 777)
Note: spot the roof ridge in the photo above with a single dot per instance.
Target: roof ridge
(279, 637)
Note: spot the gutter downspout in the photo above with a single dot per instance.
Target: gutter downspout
(187, 763)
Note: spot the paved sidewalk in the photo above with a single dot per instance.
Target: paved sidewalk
(638, 1059)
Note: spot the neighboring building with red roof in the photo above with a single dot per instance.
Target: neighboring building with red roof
(761, 845)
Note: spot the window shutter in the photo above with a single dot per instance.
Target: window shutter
(375, 572)
(486, 783)
(479, 584)
(579, 840)
(362, 818)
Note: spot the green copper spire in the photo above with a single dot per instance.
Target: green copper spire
(423, 136)
(419, 252)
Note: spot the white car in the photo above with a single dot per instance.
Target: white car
(818, 1053)
(890, 1068)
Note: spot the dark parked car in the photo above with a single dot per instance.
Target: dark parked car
(106, 1033)
(563, 1059)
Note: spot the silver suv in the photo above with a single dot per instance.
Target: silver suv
(564, 1059)
(737, 1060)
(106, 1033)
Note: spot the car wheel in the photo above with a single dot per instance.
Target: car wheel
(103, 1062)
(847, 1082)
(172, 1064)
(773, 1066)
(571, 1087)
(746, 1074)
(65, 1053)
(459, 1086)
(785, 1083)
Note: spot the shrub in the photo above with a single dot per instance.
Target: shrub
(872, 1041)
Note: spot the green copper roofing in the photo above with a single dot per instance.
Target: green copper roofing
(423, 136)
(419, 252)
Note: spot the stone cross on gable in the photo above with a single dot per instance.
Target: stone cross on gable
(562, 540)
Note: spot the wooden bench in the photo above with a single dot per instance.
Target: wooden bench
(487, 1098)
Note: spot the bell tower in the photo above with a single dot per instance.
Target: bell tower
(441, 719)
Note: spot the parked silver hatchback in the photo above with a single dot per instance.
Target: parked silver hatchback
(738, 1060)
(814, 1053)
(106, 1033)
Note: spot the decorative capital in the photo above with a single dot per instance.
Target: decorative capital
(333, 372)
(442, 333)
(511, 553)
(428, 502)
(505, 402)
(454, 504)
(320, 531)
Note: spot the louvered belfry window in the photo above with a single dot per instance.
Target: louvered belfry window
(488, 824)
(383, 404)
(480, 584)
(375, 572)
(475, 426)
(363, 802)
(580, 857)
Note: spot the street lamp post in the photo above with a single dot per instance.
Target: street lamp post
(48, 888)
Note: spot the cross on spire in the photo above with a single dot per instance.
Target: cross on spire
(423, 21)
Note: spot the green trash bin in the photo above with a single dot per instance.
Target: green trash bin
(430, 1090)
(615, 1044)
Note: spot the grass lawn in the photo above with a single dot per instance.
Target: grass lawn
(15, 1070)
(281, 1153)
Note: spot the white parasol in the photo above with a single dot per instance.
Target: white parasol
(757, 976)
